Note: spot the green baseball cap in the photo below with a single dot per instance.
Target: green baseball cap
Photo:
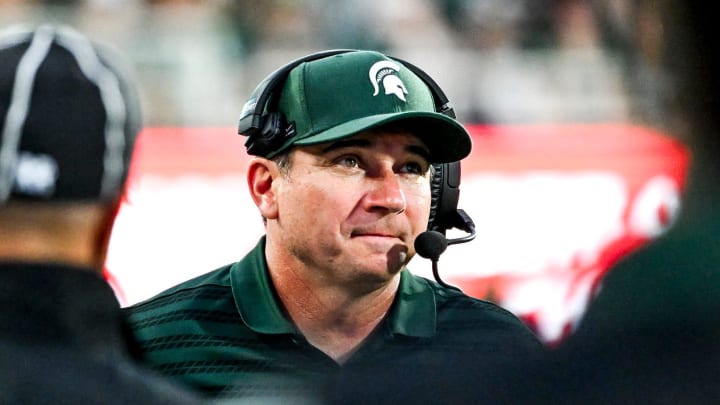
(339, 96)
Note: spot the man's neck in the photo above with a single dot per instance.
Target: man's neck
(35, 249)
(72, 233)
(334, 319)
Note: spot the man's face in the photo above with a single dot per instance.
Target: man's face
(352, 208)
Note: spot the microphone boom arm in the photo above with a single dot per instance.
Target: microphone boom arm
(431, 244)
(463, 222)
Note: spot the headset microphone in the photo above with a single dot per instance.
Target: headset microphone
(431, 244)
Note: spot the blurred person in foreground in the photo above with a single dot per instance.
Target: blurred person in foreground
(69, 116)
(342, 179)
(652, 334)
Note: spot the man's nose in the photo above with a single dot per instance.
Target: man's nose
(386, 193)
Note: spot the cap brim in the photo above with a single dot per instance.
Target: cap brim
(446, 139)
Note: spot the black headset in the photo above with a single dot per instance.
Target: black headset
(268, 129)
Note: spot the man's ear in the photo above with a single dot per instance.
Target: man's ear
(260, 177)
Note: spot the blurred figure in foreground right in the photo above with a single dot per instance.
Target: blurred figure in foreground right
(652, 335)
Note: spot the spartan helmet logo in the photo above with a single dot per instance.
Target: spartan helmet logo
(384, 72)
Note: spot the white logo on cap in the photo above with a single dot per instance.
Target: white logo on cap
(384, 71)
(36, 174)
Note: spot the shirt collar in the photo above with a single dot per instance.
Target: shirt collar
(255, 296)
(413, 312)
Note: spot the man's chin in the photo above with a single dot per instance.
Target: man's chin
(391, 258)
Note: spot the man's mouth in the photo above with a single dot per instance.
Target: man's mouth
(380, 235)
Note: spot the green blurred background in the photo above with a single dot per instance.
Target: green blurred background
(499, 61)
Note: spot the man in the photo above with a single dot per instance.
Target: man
(68, 120)
(342, 178)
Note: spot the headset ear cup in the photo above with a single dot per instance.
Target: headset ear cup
(270, 136)
(445, 194)
(436, 184)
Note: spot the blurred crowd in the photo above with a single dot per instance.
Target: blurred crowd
(510, 61)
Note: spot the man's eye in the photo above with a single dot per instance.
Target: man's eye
(415, 168)
(349, 161)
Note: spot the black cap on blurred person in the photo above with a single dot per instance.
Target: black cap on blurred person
(68, 117)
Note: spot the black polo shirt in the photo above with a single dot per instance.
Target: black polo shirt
(225, 333)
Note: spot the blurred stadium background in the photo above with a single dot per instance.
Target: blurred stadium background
(577, 159)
